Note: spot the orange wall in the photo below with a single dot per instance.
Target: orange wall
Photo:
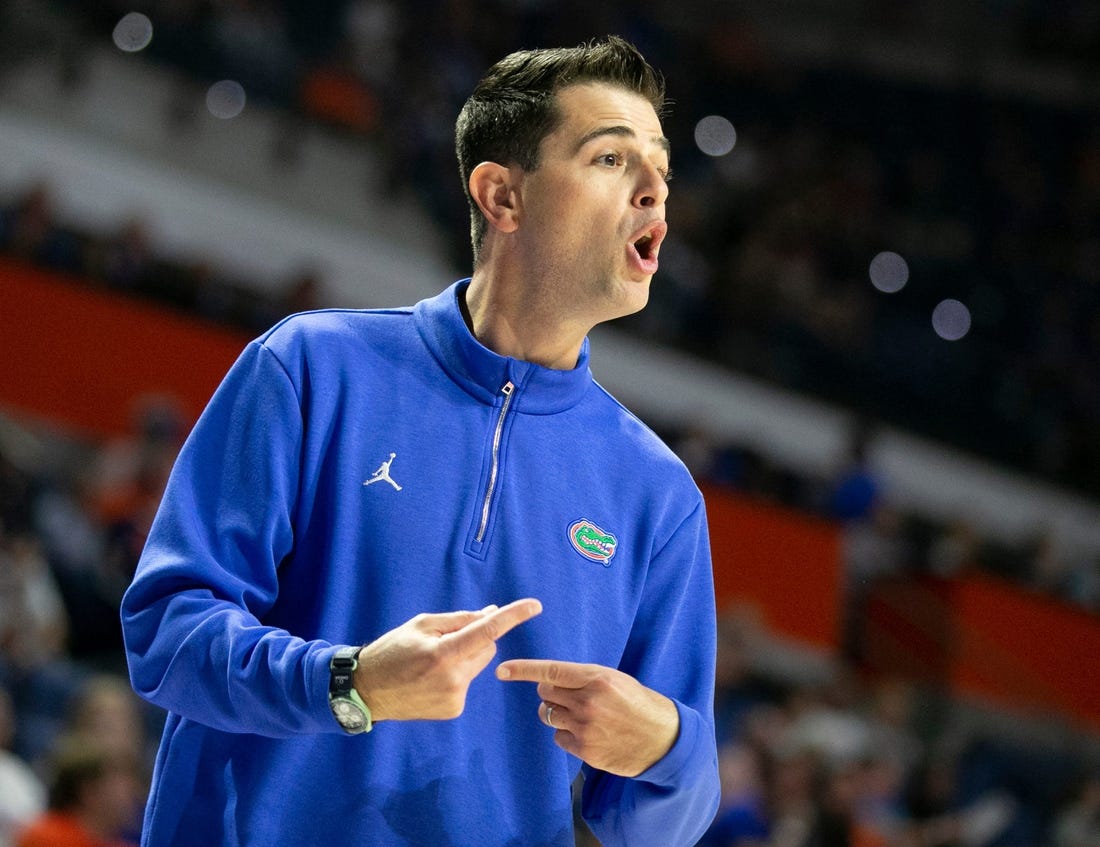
(991, 640)
(82, 357)
(785, 564)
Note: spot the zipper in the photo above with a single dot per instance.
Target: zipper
(506, 390)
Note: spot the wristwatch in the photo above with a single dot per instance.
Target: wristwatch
(347, 706)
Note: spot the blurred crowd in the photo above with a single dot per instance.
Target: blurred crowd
(842, 760)
(75, 741)
(994, 200)
(881, 537)
(990, 194)
(124, 261)
(813, 752)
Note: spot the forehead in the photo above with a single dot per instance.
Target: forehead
(586, 109)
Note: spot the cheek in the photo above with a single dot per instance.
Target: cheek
(576, 218)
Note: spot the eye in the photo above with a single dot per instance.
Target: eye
(611, 160)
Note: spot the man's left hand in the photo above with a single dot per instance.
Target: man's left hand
(601, 715)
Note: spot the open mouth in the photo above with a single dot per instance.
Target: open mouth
(644, 248)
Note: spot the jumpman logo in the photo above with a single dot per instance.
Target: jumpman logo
(383, 473)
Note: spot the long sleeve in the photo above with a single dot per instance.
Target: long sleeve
(671, 650)
(191, 618)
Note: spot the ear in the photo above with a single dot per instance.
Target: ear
(491, 186)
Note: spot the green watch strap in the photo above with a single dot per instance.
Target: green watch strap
(353, 695)
(342, 685)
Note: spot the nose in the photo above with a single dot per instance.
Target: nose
(652, 188)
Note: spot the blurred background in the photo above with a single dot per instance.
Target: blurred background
(874, 339)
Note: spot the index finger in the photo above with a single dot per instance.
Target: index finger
(488, 629)
(552, 671)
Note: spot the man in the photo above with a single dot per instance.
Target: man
(357, 472)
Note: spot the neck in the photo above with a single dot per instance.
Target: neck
(515, 319)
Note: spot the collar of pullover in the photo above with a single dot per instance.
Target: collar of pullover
(481, 372)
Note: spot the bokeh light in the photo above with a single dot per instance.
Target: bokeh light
(225, 99)
(889, 272)
(133, 32)
(715, 135)
(951, 320)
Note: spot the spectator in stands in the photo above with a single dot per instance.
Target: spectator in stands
(877, 808)
(1063, 571)
(891, 708)
(738, 686)
(94, 796)
(1077, 823)
(105, 708)
(126, 260)
(873, 549)
(22, 794)
(131, 473)
(955, 550)
(939, 810)
(800, 813)
(830, 727)
(743, 818)
(33, 632)
(302, 291)
(34, 626)
(30, 230)
(856, 489)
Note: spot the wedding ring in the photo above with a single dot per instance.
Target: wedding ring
(550, 716)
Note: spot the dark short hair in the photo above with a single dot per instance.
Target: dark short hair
(514, 107)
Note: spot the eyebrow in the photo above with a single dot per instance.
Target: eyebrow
(624, 131)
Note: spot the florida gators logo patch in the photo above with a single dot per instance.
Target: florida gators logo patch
(592, 542)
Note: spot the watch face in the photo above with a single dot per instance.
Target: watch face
(349, 716)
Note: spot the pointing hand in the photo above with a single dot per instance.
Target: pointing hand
(423, 668)
(601, 715)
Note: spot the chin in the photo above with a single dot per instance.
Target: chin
(633, 297)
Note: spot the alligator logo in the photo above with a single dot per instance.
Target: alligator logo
(592, 542)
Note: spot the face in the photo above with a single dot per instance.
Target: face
(592, 212)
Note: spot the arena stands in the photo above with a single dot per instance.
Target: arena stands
(960, 137)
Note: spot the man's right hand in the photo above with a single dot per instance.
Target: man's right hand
(422, 669)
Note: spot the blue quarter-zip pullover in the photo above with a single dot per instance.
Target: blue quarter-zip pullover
(354, 469)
